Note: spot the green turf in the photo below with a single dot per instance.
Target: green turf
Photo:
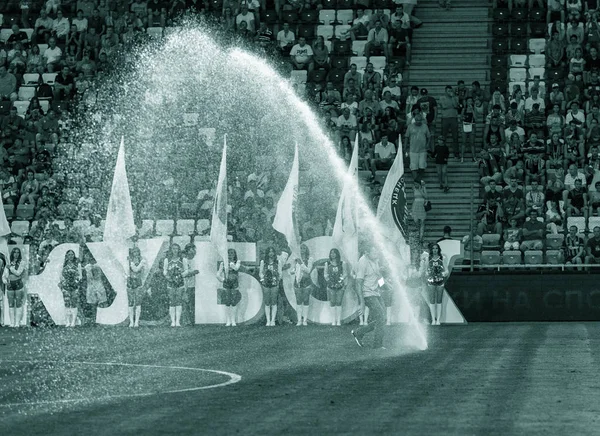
(505, 379)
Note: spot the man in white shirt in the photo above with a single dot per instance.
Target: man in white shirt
(346, 124)
(80, 21)
(383, 155)
(302, 55)
(377, 39)
(247, 16)
(360, 25)
(575, 114)
(52, 55)
(393, 88)
(60, 26)
(534, 98)
(285, 38)
(43, 27)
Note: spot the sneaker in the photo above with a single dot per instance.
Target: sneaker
(233, 324)
(358, 341)
(228, 324)
(304, 322)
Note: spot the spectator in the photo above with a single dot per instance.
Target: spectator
(594, 199)
(64, 86)
(533, 99)
(574, 247)
(441, 154)
(80, 21)
(513, 151)
(285, 39)
(417, 144)
(383, 155)
(60, 27)
(346, 124)
(8, 85)
(52, 56)
(513, 127)
(449, 113)
(513, 205)
(512, 235)
(18, 36)
(247, 16)
(42, 28)
(535, 169)
(577, 201)
(593, 248)
(321, 53)
(377, 40)
(575, 29)
(388, 102)
(534, 231)
(371, 78)
(490, 214)
(515, 114)
(555, 52)
(360, 25)
(469, 128)
(8, 187)
(302, 55)
(447, 234)
(399, 42)
(534, 199)
(428, 107)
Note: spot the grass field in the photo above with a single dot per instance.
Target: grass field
(480, 379)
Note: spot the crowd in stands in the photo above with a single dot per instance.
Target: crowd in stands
(540, 162)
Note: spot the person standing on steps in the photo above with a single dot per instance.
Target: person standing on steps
(449, 107)
(417, 138)
(369, 279)
(419, 213)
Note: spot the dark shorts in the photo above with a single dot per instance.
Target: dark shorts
(230, 297)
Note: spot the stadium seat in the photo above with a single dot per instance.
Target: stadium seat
(329, 4)
(342, 47)
(540, 72)
(31, 79)
(510, 257)
(26, 93)
(555, 75)
(499, 30)
(499, 61)
(42, 48)
(537, 30)
(186, 227)
(513, 85)
(500, 46)
(317, 76)
(490, 257)
(537, 15)
(358, 47)
(21, 106)
(5, 34)
(24, 212)
(554, 242)
(45, 105)
(537, 45)
(501, 15)
(202, 226)
(518, 14)
(307, 31)
(327, 16)
(339, 62)
(593, 221)
(309, 17)
(271, 17)
(9, 211)
(299, 76)
(344, 16)
(49, 78)
(345, 4)
(518, 45)
(518, 61)
(300, 89)
(379, 62)
(342, 31)
(498, 74)
(537, 61)
(20, 228)
(164, 227)
(359, 61)
(518, 30)
(517, 74)
(155, 32)
(29, 32)
(379, 4)
(199, 238)
(182, 241)
(553, 257)
(325, 30)
(534, 257)
(577, 221)
(289, 17)
(336, 76)
(491, 241)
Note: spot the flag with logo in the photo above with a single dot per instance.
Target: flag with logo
(285, 214)
(218, 229)
(345, 228)
(392, 210)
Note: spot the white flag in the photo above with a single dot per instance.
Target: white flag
(345, 229)
(119, 219)
(392, 211)
(285, 215)
(218, 229)
(4, 226)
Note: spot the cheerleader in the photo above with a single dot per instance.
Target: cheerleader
(434, 269)
(302, 283)
(269, 274)
(95, 290)
(137, 265)
(231, 286)
(173, 272)
(335, 276)
(69, 284)
(4, 316)
(14, 289)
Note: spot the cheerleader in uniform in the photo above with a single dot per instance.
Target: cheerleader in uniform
(335, 276)
(231, 286)
(434, 269)
(173, 272)
(269, 274)
(4, 315)
(302, 283)
(15, 289)
(135, 290)
(95, 292)
(69, 284)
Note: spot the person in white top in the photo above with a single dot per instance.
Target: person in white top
(534, 98)
(190, 271)
(302, 55)
(80, 21)
(269, 274)
(383, 154)
(15, 291)
(52, 55)
(303, 284)
(247, 16)
(60, 26)
(285, 38)
(135, 288)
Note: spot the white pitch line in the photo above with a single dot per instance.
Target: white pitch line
(233, 378)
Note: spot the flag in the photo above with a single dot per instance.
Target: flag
(218, 229)
(285, 215)
(392, 211)
(119, 219)
(345, 228)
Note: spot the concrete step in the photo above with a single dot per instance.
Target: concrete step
(450, 30)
